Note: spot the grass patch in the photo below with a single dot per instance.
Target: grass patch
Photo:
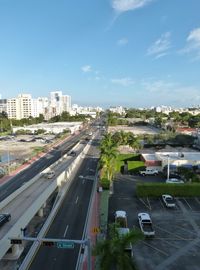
(135, 166)
(157, 189)
(37, 150)
(128, 157)
(133, 160)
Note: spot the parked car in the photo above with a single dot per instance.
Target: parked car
(168, 200)
(146, 224)
(121, 218)
(128, 248)
(174, 181)
(4, 218)
(149, 172)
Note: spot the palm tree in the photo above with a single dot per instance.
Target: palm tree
(111, 251)
(108, 155)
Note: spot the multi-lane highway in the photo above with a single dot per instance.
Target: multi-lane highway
(70, 220)
(38, 166)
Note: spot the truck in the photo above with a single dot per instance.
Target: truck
(146, 224)
(149, 172)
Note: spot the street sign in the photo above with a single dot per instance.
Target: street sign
(65, 245)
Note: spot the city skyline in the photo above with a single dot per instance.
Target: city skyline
(136, 53)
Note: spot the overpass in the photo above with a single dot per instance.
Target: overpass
(31, 197)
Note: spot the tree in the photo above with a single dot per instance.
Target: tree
(111, 251)
(108, 155)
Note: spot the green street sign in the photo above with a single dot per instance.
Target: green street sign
(65, 245)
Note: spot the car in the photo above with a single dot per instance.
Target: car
(50, 174)
(72, 154)
(4, 218)
(146, 224)
(174, 181)
(128, 248)
(168, 200)
(149, 172)
(121, 218)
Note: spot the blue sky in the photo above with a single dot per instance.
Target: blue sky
(134, 53)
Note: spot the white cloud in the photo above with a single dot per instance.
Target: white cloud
(86, 68)
(122, 41)
(193, 43)
(123, 81)
(161, 46)
(125, 5)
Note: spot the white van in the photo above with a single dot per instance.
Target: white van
(50, 174)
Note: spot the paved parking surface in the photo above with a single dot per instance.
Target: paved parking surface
(176, 244)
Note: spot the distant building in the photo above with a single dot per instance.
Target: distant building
(118, 109)
(20, 107)
(3, 105)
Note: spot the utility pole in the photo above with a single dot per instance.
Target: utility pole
(167, 167)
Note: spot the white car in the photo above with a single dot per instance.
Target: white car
(174, 181)
(168, 200)
(146, 224)
(149, 172)
(121, 218)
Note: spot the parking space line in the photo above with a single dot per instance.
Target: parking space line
(187, 203)
(162, 204)
(160, 251)
(149, 203)
(169, 243)
(144, 203)
(197, 200)
(174, 239)
(188, 231)
(169, 232)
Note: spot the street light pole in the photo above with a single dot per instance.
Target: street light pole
(167, 167)
(8, 160)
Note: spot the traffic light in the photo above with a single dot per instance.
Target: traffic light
(48, 243)
(16, 241)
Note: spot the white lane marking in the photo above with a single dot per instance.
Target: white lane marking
(83, 181)
(187, 203)
(65, 230)
(76, 199)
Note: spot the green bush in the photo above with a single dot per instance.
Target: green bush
(105, 183)
(157, 189)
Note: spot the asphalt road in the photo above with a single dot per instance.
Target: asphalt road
(70, 220)
(38, 166)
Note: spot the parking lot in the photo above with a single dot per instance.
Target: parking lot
(176, 244)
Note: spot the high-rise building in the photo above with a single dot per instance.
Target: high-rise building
(20, 107)
(59, 102)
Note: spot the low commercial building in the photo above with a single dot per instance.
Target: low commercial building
(175, 159)
(54, 128)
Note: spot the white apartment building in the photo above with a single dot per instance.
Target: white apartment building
(20, 107)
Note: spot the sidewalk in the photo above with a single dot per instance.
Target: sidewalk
(98, 223)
